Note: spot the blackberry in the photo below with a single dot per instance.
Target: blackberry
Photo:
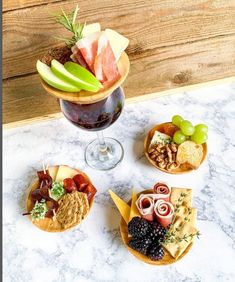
(138, 227)
(156, 231)
(140, 245)
(155, 252)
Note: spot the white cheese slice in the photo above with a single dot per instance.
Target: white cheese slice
(53, 171)
(161, 138)
(65, 172)
(91, 28)
(117, 41)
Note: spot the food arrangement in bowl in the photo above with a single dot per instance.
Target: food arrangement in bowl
(158, 226)
(86, 75)
(60, 198)
(176, 147)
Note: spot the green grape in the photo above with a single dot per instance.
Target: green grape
(199, 137)
(187, 128)
(176, 120)
(201, 127)
(179, 137)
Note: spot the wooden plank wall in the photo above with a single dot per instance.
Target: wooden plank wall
(173, 43)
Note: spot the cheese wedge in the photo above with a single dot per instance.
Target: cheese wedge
(117, 41)
(53, 171)
(122, 206)
(91, 28)
(65, 172)
(175, 194)
(161, 138)
(188, 228)
(134, 211)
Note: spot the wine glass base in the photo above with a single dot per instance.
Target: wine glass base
(106, 159)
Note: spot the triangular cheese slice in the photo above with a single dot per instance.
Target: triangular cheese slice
(53, 171)
(65, 172)
(134, 211)
(122, 206)
(90, 28)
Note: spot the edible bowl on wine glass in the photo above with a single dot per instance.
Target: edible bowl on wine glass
(95, 112)
(86, 97)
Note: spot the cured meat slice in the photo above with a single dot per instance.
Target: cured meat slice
(109, 64)
(98, 64)
(162, 191)
(80, 181)
(164, 212)
(145, 205)
(88, 47)
(90, 190)
(78, 58)
(69, 185)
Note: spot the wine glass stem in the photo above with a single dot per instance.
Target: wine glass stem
(102, 145)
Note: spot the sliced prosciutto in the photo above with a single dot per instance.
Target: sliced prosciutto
(88, 47)
(145, 205)
(78, 58)
(162, 191)
(164, 212)
(98, 64)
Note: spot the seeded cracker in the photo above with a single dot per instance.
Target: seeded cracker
(72, 208)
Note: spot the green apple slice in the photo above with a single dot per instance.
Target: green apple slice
(49, 77)
(60, 71)
(82, 73)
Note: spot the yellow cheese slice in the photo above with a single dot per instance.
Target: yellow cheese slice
(117, 41)
(122, 206)
(134, 211)
(91, 28)
(53, 171)
(175, 195)
(65, 172)
(176, 249)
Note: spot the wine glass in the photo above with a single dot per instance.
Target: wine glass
(102, 153)
(95, 112)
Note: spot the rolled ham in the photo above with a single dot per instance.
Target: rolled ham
(145, 205)
(162, 191)
(164, 212)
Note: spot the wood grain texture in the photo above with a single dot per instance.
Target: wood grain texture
(9, 5)
(149, 25)
(172, 44)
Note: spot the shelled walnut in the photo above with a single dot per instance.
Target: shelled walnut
(164, 155)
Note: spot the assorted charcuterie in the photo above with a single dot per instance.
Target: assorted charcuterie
(87, 62)
(158, 225)
(60, 198)
(177, 146)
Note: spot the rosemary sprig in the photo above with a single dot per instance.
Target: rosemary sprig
(69, 22)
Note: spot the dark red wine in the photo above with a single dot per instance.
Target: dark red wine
(96, 116)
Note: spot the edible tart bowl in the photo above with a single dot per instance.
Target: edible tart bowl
(167, 259)
(183, 168)
(86, 97)
(48, 224)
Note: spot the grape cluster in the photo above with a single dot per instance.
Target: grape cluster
(197, 134)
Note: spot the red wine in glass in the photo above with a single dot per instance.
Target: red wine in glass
(102, 153)
(96, 116)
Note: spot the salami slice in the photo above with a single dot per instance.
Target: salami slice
(162, 191)
(164, 212)
(145, 205)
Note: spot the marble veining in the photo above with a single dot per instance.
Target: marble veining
(94, 251)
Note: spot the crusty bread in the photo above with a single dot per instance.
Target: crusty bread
(191, 153)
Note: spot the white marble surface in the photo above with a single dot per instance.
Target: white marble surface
(94, 251)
